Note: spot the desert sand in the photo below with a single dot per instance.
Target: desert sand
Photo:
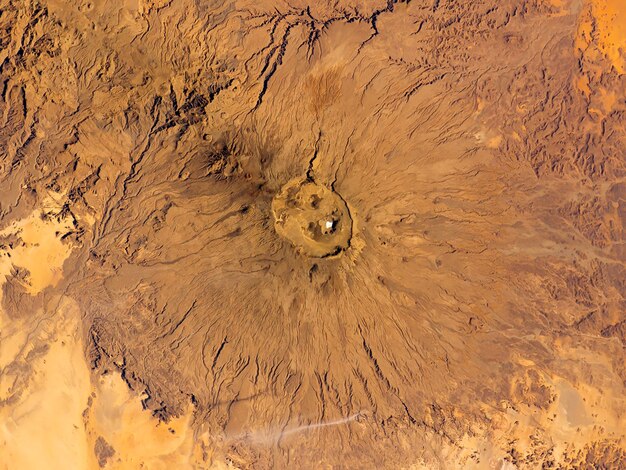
(313, 235)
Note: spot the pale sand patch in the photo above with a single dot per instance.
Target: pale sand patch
(41, 251)
(38, 249)
(138, 439)
(611, 22)
(44, 429)
(57, 420)
(12, 340)
(607, 29)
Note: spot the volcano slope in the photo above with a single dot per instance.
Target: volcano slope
(313, 234)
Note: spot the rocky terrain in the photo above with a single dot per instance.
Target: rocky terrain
(296, 234)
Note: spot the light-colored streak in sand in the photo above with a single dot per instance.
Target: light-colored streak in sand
(272, 436)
